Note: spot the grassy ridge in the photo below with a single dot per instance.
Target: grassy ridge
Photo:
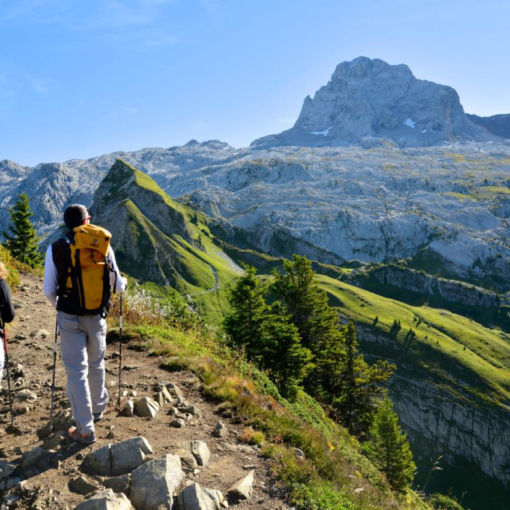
(169, 244)
(450, 338)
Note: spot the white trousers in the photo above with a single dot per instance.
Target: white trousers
(83, 346)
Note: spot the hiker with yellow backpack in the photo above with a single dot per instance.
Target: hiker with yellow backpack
(80, 272)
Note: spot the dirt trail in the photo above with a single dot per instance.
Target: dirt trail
(31, 345)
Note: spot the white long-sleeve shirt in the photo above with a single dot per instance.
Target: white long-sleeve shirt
(51, 281)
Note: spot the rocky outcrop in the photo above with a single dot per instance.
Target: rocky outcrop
(423, 284)
(441, 420)
(370, 98)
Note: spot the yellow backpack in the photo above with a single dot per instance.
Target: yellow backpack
(88, 274)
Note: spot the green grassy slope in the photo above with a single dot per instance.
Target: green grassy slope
(161, 241)
(444, 343)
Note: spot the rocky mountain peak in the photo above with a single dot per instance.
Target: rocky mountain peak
(365, 68)
(368, 98)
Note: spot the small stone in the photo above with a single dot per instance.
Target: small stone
(178, 423)
(118, 484)
(174, 390)
(40, 333)
(201, 452)
(129, 409)
(299, 453)
(24, 396)
(194, 497)
(106, 500)
(191, 409)
(146, 407)
(32, 457)
(6, 469)
(220, 430)
(54, 440)
(82, 486)
(242, 489)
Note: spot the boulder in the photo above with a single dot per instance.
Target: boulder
(194, 497)
(33, 457)
(106, 500)
(120, 458)
(146, 407)
(128, 455)
(99, 461)
(154, 483)
(242, 489)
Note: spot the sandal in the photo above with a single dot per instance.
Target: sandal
(74, 435)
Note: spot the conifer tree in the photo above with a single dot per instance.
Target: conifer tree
(22, 240)
(389, 448)
(267, 333)
(285, 355)
(297, 288)
(245, 322)
(358, 385)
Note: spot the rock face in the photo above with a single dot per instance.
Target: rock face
(451, 291)
(498, 125)
(441, 422)
(370, 98)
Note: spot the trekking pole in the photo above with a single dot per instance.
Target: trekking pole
(8, 377)
(55, 348)
(120, 347)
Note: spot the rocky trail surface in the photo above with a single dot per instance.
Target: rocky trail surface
(182, 453)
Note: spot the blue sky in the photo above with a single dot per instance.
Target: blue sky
(81, 78)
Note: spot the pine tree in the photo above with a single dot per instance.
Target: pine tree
(358, 385)
(244, 324)
(286, 356)
(297, 289)
(318, 324)
(267, 333)
(22, 241)
(389, 448)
